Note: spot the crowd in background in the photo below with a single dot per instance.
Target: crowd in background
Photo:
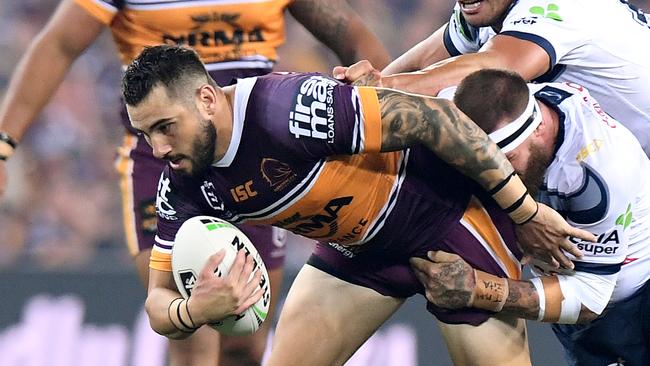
(62, 206)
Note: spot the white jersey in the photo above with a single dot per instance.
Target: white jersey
(603, 45)
(599, 180)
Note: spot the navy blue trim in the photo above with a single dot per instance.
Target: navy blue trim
(540, 41)
(592, 214)
(164, 246)
(449, 44)
(551, 75)
(597, 268)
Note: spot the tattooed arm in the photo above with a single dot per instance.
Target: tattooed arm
(450, 283)
(339, 27)
(409, 119)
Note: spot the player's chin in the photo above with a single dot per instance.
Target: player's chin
(478, 20)
(182, 166)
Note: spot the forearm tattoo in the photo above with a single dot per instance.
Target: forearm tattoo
(523, 300)
(409, 119)
(328, 21)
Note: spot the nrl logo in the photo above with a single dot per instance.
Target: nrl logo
(210, 194)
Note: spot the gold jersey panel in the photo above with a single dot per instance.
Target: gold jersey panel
(247, 32)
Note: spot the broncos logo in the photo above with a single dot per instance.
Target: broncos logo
(278, 174)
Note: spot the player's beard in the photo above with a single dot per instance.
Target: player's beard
(533, 177)
(203, 149)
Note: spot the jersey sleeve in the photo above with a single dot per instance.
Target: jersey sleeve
(558, 29)
(102, 10)
(314, 116)
(172, 209)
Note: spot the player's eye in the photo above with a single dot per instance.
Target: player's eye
(165, 128)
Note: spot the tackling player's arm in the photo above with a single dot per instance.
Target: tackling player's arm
(502, 52)
(340, 28)
(451, 283)
(408, 120)
(213, 298)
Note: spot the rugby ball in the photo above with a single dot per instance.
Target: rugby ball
(199, 238)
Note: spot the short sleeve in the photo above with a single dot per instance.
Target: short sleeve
(172, 209)
(102, 10)
(553, 25)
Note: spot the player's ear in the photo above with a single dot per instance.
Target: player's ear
(208, 98)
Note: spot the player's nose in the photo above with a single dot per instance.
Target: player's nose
(160, 148)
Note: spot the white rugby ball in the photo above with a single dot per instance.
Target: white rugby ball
(199, 238)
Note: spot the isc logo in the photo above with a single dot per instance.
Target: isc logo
(243, 192)
(313, 113)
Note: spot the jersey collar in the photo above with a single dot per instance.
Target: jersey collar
(242, 93)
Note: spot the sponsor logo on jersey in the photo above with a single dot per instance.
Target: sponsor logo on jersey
(609, 121)
(321, 225)
(313, 112)
(607, 243)
(210, 194)
(225, 32)
(243, 192)
(345, 251)
(355, 232)
(625, 219)
(591, 148)
(276, 173)
(163, 207)
(525, 20)
(551, 11)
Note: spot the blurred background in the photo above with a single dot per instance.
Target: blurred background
(65, 274)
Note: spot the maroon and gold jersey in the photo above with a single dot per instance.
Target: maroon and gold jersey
(304, 156)
(227, 34)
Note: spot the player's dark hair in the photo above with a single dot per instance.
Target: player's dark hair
(171, 66)
(491, 96)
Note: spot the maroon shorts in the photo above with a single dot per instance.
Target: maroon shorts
(139, 174)
(484, 237)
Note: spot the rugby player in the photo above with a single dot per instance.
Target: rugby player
(234, 39)
(381, 174)
(600, 44)
(591, 169)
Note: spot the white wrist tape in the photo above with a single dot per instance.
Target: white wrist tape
(571, 304)
(554, 305)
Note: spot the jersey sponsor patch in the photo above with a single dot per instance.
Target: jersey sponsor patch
(608, 243)
(313, 112)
